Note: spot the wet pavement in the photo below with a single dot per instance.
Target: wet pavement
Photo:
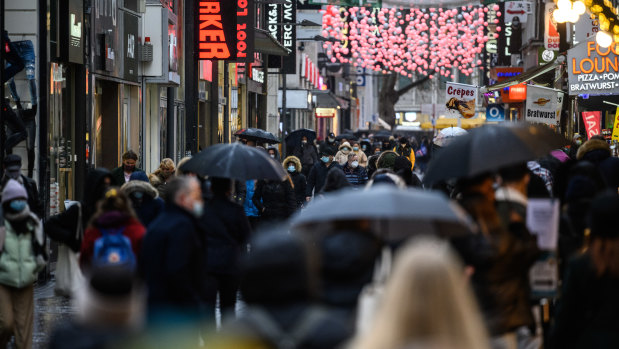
(50, 311)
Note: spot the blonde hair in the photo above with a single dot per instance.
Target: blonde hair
(427, 301)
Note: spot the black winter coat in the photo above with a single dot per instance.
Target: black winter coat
(587, 314)
(275, 200)
(307, 154)
(317, 177)
(300, 184)
(171, 260)
(227, 232)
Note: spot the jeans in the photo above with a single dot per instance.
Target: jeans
(14, 63)
(25, 50)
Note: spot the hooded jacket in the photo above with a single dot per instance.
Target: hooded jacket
(594, 150)
(306, 153)
(342, 156)
(406, 151)
(151, 204)
(298, 179)
(363, 159)
(62, 227)
(275, 199)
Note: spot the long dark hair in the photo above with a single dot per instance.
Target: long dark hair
(113, 200)
(604, 254)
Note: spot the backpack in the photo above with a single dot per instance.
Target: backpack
(113, 249)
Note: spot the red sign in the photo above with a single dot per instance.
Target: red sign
(592, 122)
(217, 30)
(325, 112)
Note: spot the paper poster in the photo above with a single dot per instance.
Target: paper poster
(543, 221)
(615, 136)
(551, 34)
(460, 100)
(541, 105)
(592, 122)
(544, 276)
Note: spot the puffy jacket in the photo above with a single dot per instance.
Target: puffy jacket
(275, 199)
(299, 180)
(342, 156)
(363, 159)
(406, 151)
(18, 263)
(250, 209)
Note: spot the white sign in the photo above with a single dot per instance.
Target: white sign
(257, 75)
(460, 100)
(586, 27)
(543, 221)
(551, 34)
(541, 105)
(519, 9)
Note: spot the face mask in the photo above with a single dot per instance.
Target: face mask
(578, 142)
(364, 147)
(325, 159)
(355, 148)
(198, 208)
(303, 142)
(331, 139)
(18, 205)
(291, 168)
(345, 149)
(138, 195)
(272, 156)
(129, 168)
(354, 164)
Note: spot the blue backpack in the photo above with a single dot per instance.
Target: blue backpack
(113, 249)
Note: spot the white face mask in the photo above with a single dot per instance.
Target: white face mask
(303, 142)
(354, 164)
(198, 208)
(272, 156)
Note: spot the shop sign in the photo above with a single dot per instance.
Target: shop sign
(545, 56)
(592, 122)
(289, 36)
(130, 35)
(274, 16)
(257, 75)
(586, 27)
(76, 30)
(495, 112)
(460, 100)
(519, 9)
(325, 112)
(541, 105)
(551, 34)
(593, 69)
(615, 135)
(217, 30)
(245, 31)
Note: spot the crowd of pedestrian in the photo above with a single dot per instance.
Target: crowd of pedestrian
(153, 259)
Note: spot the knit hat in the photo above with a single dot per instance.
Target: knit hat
(13, 190)
(139, 176)
(604, 215)
(387, 160)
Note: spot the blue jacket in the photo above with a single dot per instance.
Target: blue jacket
(250, 209)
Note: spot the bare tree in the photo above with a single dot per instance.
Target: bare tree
(389, 96)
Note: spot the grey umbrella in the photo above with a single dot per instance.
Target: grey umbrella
(394, 214)
(236, 161)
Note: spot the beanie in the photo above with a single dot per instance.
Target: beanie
(139, 176)
(604, 215)
(13, 190)
(387, 160)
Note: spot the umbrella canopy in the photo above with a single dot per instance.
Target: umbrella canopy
(258, 135)
(489, 148)
(393, 213)
(294, 138)
(348, 136)
(447, 135)
(382, 134)
(236, 161)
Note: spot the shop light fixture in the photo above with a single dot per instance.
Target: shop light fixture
(568, 11)
(579, 7)
(603, 39)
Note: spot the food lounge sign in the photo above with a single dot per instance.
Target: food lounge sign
(593, 69)
(226, 30)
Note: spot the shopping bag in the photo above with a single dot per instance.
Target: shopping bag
(372, 294)
(68, 275)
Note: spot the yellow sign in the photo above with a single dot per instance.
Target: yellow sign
(615, 136)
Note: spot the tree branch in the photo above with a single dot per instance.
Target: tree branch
(403, 90)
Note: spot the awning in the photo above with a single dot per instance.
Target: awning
(384, 124)
(264, 42)
(524, 77)
(328, 100)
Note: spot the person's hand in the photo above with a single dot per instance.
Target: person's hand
(308, 198)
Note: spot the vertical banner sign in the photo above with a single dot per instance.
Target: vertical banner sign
(551, 34)
(76, 31)
(592, 122)
(615, 136)
(541, 105)
(503, 42)
(289, 36)
(273, 18)
(586, 27)
(217, 30)
(460, 100)
(245, 31)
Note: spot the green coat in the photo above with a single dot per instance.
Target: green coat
(118, 176)
(18, 264)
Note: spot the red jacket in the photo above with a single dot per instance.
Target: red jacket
(134, 230)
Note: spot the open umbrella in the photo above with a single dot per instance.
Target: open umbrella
(236, 161)
(489, 148)
(447, 135)
(258, 135)
(348, 136)
(294, 138)
(382, 134)
(394, 214)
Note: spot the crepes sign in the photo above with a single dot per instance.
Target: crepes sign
(460, 100)
(593, 69)
(542, 105)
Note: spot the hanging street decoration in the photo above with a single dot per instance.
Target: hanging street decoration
(428, 41)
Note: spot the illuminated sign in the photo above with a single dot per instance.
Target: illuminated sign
(289, 36)
(217, 30)
(593, 69)
(245, 31)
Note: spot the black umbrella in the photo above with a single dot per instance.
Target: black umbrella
(294, 138)
(394, 214)
(383, 134)
(348, 136)
(236, 161)
(258, 135)
(489, 148)
(361, 132)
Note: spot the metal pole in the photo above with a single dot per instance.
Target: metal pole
(226, 110)
(2, 133)
(43, 84)
(284, 117)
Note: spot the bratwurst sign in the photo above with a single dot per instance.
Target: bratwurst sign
(593, 69)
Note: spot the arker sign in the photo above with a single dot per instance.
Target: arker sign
(226, 30)
(593, 69)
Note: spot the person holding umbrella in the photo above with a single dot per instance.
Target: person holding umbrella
(306, 153)
(318, 173)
